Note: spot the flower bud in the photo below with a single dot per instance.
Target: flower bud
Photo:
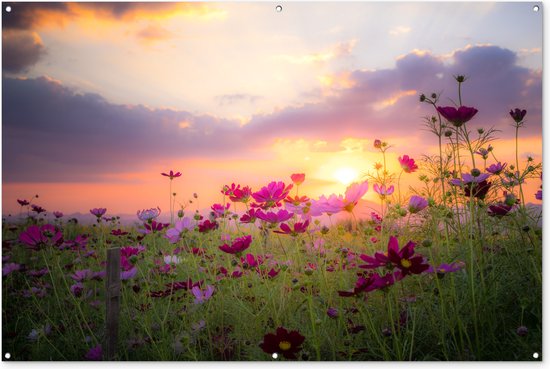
(427, 243)
(422, 98)
(448, 133)
(480, 131)
(475, 172)
(434, 95)
(460, 78)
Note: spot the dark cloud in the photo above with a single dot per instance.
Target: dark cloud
(52, 133)
(25, 16)
(20, 50)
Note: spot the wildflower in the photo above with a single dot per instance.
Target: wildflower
(298, 178)
(35, 237)
(219, 210)
(37, 209)
(297, 228)
(249, 216)
(407, 164)
(237, 194)
(484, 153)
(283, 342)
(207, 226)
(457, 116)
(98, 212)
(382, 191)
(81, 275)
(77, 289)
(499, 209)
(94, 354)
(238, 246)
(149, 214)
(271, 217)
(33, 335)
(23, 202)
(153, 227)
(332, 312)
(129, 251)
(272, 194)
(446, 268)
(496, 168)
(118, 232)
(377, 144)
(522, 330)
(171, 259)
(518, 115)
(57, 214)
(174, 234)
(172, 175)
(200, 296)
(128, 274)
(10, 268)
(417, 204)
(476, 186)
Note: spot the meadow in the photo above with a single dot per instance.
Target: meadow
(448, 270)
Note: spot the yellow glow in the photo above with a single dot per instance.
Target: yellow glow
(346, 175)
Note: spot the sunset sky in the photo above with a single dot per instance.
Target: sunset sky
(99, 98)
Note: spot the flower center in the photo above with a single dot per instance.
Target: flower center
(349, 207)
(405, 263)
(284, 345)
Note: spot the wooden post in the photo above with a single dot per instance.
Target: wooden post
(112, 300)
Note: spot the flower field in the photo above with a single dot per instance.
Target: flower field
(449, 269)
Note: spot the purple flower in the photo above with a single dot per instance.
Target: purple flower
(98, 212)
(147, 215)
(77, 289)
(271, 217)
(94, 354)
(58, 214)
(457, 116)
(417, 204)
(9, 268)
(382, 190)
(518, 115)
(81, 275)
(538, 195)
(332, 312)
(173, 234)
(496, 168)
(219, 210)
(128, 274)
(499, 209)
(202, 296)
(238, 246)
(35, 237)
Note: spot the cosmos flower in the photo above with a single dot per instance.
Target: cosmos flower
(57, 214)
(172, 175)
(10, 268)
(174, 234)
(149, 214)
(207, 226)
(272, 194)
(335, 204)
(446, 268)
(153, 227)
(77, 289)
(496, 168)
(283, 342)
(98, 212)
(417, 204)
(272, 217)
(473, 186)
(94, 354)
(518, 115)
(237, 194)
(484, 153)
(47, 235)
(499, 209)
(298, 178)
(377, 144)
(382, 191)
(219, 210)
(249, 216)
(23, 202)
(239, 245)
(202, 296)
(457, 116)
(407, 164)
(37, 209)
(297, 228)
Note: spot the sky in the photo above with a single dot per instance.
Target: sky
(99, 98)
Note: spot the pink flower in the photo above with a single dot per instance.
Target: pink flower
(298, 178)
(271, 217)
(236, 194)
(10, 268)
(57, 214)
(81, 275)
(457, 116)
(272, 194)
(538, 195)
(249, 216)
(219, 210)
(98, 212)
(207, 226)
(35, 237)
(77, 289)
(417, 203)
(407, 164)
(172, 175)
(496, 168)
(148, 215)
(377, 144)
(238, 246)
(153, 227)
(382, 191)
(334, 204)
(23, 202)
(37, 209)
(297, 228)
(202, 296)
(94, 354)
(184, 225)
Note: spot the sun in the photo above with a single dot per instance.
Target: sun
(346, 175)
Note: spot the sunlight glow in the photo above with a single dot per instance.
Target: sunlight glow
(346, 175)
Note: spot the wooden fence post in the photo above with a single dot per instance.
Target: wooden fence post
(112, 300)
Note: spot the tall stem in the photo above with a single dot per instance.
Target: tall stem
(517, 167)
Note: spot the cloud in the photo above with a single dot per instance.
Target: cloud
(20, 50)
(339, 50)
(71, 136)
(399, 30)
(153, 33)
(231, 99)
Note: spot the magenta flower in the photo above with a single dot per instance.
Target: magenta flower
(446, 268)
(128, 274)
(81, 275)
(129, 251)
(202, 296)
(34, 237)
(219, 210)
(417, 204)
(271, 217)
(237, 194)
(238, 246)
(272, 194)
(297, 228)
(407, 164)
(332, 312)
(94, 354)
(377, 144)
(334, 204)
(77, 289)
(172, 175)
(98, 212)
(518, 115)
(57, 214)
(249, 216)
(298, 178)
(149, 214)
(457, 116)
(499, 209)
(181, 226)
(496, 168)
(403, 259)
(207, 226)
(153, 227)
(382, 191)
(473, 186)
(538, 195)
(37, 209)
